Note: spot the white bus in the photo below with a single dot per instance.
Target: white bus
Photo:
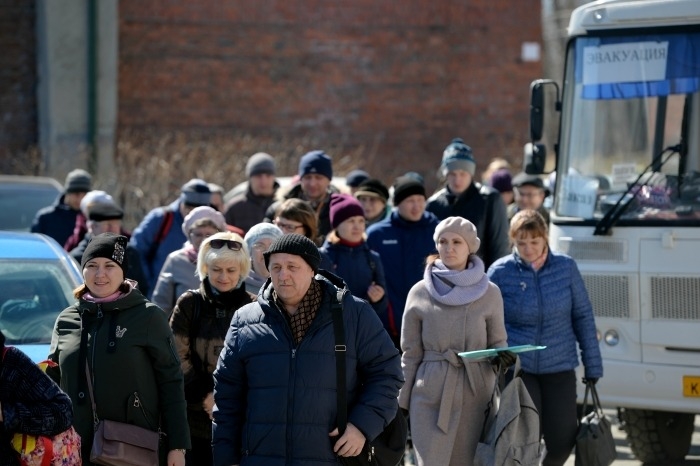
(626, 204)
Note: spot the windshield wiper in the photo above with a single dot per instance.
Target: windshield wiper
(613, 215)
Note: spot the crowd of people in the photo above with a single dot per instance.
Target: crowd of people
(212, 322)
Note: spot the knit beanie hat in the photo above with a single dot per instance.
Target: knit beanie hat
(108, 245)
(463, 228)
(195, 192)
(344, 206)
(373, 188)
(78, 181)
(406, 186)
(203, 212)
(355, 178)
(316, 161)
(458, 156)
(297, 245)
(260, 163)
(501, 180)
(262, 231)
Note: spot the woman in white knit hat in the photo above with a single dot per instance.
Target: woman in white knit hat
(258, 239)
(453, 309)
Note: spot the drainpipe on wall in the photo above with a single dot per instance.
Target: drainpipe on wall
(92, 100)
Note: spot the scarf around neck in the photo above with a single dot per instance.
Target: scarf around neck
(456, 287)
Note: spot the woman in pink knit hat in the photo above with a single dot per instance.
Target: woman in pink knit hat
(346, 253)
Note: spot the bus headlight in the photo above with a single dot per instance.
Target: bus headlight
(612, 338)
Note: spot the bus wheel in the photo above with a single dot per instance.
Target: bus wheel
(658, 436)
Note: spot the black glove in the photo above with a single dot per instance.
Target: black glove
(504, 359)
(589, 380)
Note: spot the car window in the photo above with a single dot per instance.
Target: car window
(20, 203)
(32, 294)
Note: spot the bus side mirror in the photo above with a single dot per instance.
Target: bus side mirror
(534, 158)
(536, 110)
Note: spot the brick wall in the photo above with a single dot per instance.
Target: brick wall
(18, 78)
(399, 78)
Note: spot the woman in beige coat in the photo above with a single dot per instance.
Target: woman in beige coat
(453, 309)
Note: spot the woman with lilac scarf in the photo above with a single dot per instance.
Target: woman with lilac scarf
(179, 272)
(453, 309)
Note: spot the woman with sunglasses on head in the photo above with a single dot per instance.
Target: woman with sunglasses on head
(199, 323)
(124, 342)
(297, 216)
(179, 272)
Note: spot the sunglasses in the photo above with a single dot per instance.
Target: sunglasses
(232, 245)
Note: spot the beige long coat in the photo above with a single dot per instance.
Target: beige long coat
(446, 395)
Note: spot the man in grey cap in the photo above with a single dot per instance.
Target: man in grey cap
(276, 376)
(58, 219)
(159, 233)
(248, 208)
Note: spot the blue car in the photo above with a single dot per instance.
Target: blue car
(37, 279)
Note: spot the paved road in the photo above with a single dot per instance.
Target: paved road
(624, 454)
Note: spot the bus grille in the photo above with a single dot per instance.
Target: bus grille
(609, 295)
(675, 298)
(599, 251)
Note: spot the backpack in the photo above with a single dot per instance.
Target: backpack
(511, 432)
(37, 450)
(162, 232)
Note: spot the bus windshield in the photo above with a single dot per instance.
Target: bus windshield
(626, 99)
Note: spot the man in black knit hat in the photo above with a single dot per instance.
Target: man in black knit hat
(275, 381)
(403, 241)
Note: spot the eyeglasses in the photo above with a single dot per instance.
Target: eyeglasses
(261, 247)
(288, 227)
(232, 245)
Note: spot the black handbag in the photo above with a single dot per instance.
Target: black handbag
(389, 446)
(595, 445)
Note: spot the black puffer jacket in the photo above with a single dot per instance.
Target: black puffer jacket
(206, 315)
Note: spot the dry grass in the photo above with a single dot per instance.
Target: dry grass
(151, 166)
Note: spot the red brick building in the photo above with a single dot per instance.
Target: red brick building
(399, 78)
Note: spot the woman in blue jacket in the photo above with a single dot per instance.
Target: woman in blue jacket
(545, 303)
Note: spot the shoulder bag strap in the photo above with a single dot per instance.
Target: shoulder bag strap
(340, 349)
(197, 363)
(88, 375)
